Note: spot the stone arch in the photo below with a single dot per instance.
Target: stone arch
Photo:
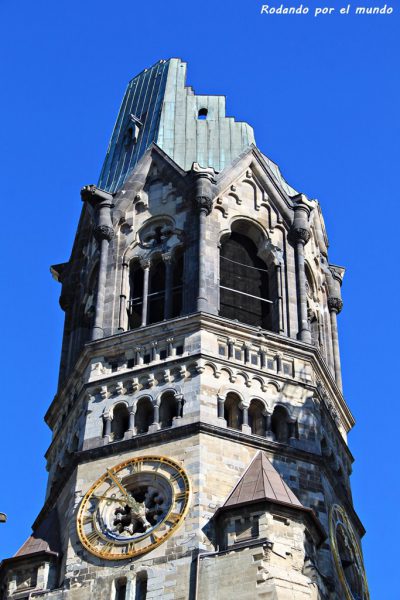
(144, 416)
(247, 273)
(256, 413)
(170, 407)
(233, 413)
(120, 420)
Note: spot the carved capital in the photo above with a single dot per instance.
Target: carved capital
(103, 232)
(300, 234)
(167, 258)
(145, 263)
(204, 204)
(335, 304)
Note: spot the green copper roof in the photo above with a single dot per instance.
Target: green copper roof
(158, 107)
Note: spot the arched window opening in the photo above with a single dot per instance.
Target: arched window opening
(256, 417)
(135, 306)
(120, 589)
(156, 299)
(168, 409)
(144, 415)
(280, 424)
(177, 283)
(120, 421)
(232, 412)
(202, 114)
(244, 289)
(141, 586)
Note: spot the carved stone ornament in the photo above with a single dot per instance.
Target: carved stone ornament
(335, 304)
(103, 232)
(204, 203)
(300, 234)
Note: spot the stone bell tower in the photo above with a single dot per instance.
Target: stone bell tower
(199, 426)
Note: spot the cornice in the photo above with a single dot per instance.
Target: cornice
(148, 440)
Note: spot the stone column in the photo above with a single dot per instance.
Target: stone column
(107, 425)
(299, 235)
(335, 306)
(245, 416)
(268, 426)
(221, 404)
(334, 278)
(203, 200)
(179, 405)
(101, 203)
(156, 418)
(168, 285)
(123, 314)
(145, 264)
(132, 413)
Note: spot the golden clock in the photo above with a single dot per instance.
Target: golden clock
(133, 507)
(347, 555)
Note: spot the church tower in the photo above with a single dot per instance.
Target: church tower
(199, 427)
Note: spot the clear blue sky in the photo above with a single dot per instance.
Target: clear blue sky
(322, 95)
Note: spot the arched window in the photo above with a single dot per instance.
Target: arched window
(202, 114)
(168, 409)
(156, 299)
(244, 289)
(280, 424)
(141, 586)
(120, 421)
(232, 411)
(256, 417)
(144, 415)
(135, 306)
(177, 283)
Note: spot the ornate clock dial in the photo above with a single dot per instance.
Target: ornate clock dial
(347, 555)
(133, 507)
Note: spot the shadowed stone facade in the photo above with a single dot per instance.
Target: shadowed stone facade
(200, 325)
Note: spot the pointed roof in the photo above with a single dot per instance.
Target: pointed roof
(260, 482)
(44, 539)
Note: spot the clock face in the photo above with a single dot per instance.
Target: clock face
(133, 507)
(347, 555)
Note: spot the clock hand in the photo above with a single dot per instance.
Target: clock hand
(139, 509)
(112, 499)
(119, 484)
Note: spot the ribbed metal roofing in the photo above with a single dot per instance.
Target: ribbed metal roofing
(158, 107)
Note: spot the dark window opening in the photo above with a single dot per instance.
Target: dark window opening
(202, 114)
(179, 350)
(280, 424)
(131, 363)
(144, 415)
(256, 417)
(156, 299)
(120, 421)
(135, 306)
(244, 290)
(146, 359)
(141, 586)
(232, 412)
(177, 285)
(163, 354)
(120, 589)
(168, 410)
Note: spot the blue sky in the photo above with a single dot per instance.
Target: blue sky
(322, 96)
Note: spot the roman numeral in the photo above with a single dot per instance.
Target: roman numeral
(93, 538)
(87, 519)
(173, 518)
(181, 496)
(107, 548)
